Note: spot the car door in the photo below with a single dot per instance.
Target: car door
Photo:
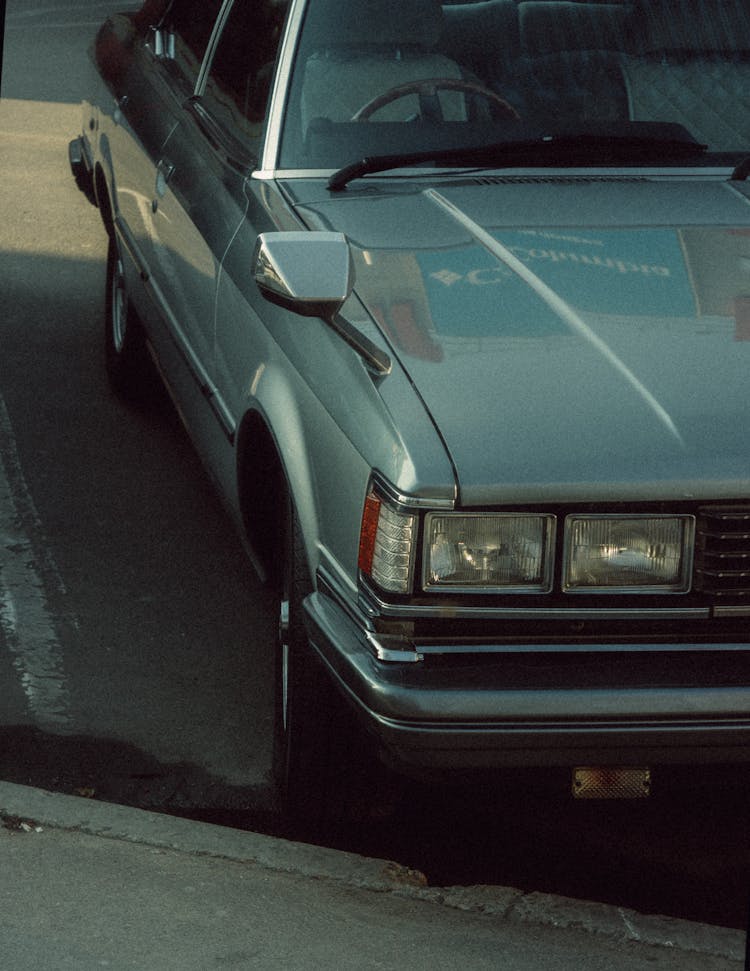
(200, 203)
(149, 77)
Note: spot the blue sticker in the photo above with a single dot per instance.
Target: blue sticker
(612, 272)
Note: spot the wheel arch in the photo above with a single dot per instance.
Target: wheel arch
(270, 475)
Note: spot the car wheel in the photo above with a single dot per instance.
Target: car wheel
(127, 360)
(307, 710)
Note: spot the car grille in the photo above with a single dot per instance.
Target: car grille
(722, 552)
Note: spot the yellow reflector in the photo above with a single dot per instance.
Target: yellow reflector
(611, 782)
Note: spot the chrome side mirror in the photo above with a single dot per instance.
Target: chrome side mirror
(310, 274)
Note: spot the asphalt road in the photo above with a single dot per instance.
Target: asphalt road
(133, 627)
(134, 638)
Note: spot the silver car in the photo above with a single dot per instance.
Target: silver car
(454, 301)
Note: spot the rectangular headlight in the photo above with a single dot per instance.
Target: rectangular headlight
(628, 554)
(488, 552)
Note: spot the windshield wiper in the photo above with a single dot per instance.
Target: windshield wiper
(639, 144)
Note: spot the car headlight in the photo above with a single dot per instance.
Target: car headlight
(628, 554)
(488, 552)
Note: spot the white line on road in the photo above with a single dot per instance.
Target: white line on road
(26, 622)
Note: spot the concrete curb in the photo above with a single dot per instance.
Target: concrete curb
(124, 823)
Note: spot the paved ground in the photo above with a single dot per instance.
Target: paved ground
(88, 885)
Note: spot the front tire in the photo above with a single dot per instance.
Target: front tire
(307, 711)
(127, 361)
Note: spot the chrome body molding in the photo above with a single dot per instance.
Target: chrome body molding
(409, 503)
(374, 606)
(392, 648)
(479, 647)
(269, 158)
(742, 610)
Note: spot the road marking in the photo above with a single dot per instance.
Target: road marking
(27, 572)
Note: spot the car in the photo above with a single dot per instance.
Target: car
(454, 302)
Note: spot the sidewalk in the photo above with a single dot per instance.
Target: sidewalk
(87, 885)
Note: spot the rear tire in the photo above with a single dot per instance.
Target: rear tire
(127, 360)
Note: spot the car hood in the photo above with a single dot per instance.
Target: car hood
(571, 338)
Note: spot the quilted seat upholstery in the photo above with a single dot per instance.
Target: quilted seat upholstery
(710, 98)
(690, 63)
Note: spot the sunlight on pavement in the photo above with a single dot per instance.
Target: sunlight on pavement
(41, 206)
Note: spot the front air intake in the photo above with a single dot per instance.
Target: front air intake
(551, 179)
(722, 553)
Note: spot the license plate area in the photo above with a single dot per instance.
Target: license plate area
(611, 782)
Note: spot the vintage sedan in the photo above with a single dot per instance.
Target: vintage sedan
(454, 301)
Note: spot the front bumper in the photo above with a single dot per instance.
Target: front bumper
(477, 712)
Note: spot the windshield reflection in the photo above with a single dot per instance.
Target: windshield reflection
(502, 70)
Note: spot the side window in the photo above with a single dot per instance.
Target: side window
(239, 79)
(189, 24)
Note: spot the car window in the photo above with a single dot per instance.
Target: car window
(190, 24)
(239, 78)
(668, 70)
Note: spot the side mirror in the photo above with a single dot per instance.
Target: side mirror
(310, 274)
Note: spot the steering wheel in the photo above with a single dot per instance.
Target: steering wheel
(429, 104)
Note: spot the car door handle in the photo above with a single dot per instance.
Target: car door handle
(120, 105)
(164, 172)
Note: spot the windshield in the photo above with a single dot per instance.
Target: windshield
(517, 71)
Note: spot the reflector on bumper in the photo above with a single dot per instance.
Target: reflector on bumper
(606, 782)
